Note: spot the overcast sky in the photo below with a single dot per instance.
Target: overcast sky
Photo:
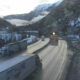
(8, 7)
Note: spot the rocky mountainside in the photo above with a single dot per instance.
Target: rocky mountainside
(64, 18)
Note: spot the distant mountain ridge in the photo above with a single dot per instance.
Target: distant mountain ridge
(39, 13)
(43, 7)
(30, 15)
(49, 23)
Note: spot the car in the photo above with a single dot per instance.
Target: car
(42, 38)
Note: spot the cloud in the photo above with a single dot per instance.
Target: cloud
(8, 7)
(17, 6)
(48, 1)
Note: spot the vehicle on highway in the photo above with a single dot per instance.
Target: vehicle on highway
(54, 39)
(42, 38)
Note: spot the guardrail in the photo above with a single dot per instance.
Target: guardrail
(11, 48)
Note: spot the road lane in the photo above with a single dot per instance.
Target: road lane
(37, 46)
(55, 67)
(53, 58)
(34, 44)
(31, 48)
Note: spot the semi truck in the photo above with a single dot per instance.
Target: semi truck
(19, 67)
(54, 39)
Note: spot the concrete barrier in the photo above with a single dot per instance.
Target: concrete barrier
(17, 68)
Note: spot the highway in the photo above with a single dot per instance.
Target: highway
(30, 49)
(53, 60)
(36, 46)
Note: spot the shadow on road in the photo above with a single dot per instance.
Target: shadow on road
(36, 75)
(53, 44)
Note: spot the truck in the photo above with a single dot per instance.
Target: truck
(19, 67)
(54, 39)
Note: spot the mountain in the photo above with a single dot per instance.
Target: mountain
(48, 23)
(18, 22)
(30, 15)
(65, 19)
(25, 19)
(42, 7)
(34, 16)
(4, 25)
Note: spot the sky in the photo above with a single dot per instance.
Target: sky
(8, 7)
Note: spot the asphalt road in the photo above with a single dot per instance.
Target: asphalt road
(30, 49)
(36, 46)
(53, 61)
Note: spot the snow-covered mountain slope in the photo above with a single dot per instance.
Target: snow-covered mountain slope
(42, 7)
(18, 22)
(39, 17)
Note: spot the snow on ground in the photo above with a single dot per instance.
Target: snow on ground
(39, 17)
(74, 67)
(10, 37)
(35, 19)
(18, 22)
(31, 39)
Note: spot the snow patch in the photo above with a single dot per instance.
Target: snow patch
(18, 22)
